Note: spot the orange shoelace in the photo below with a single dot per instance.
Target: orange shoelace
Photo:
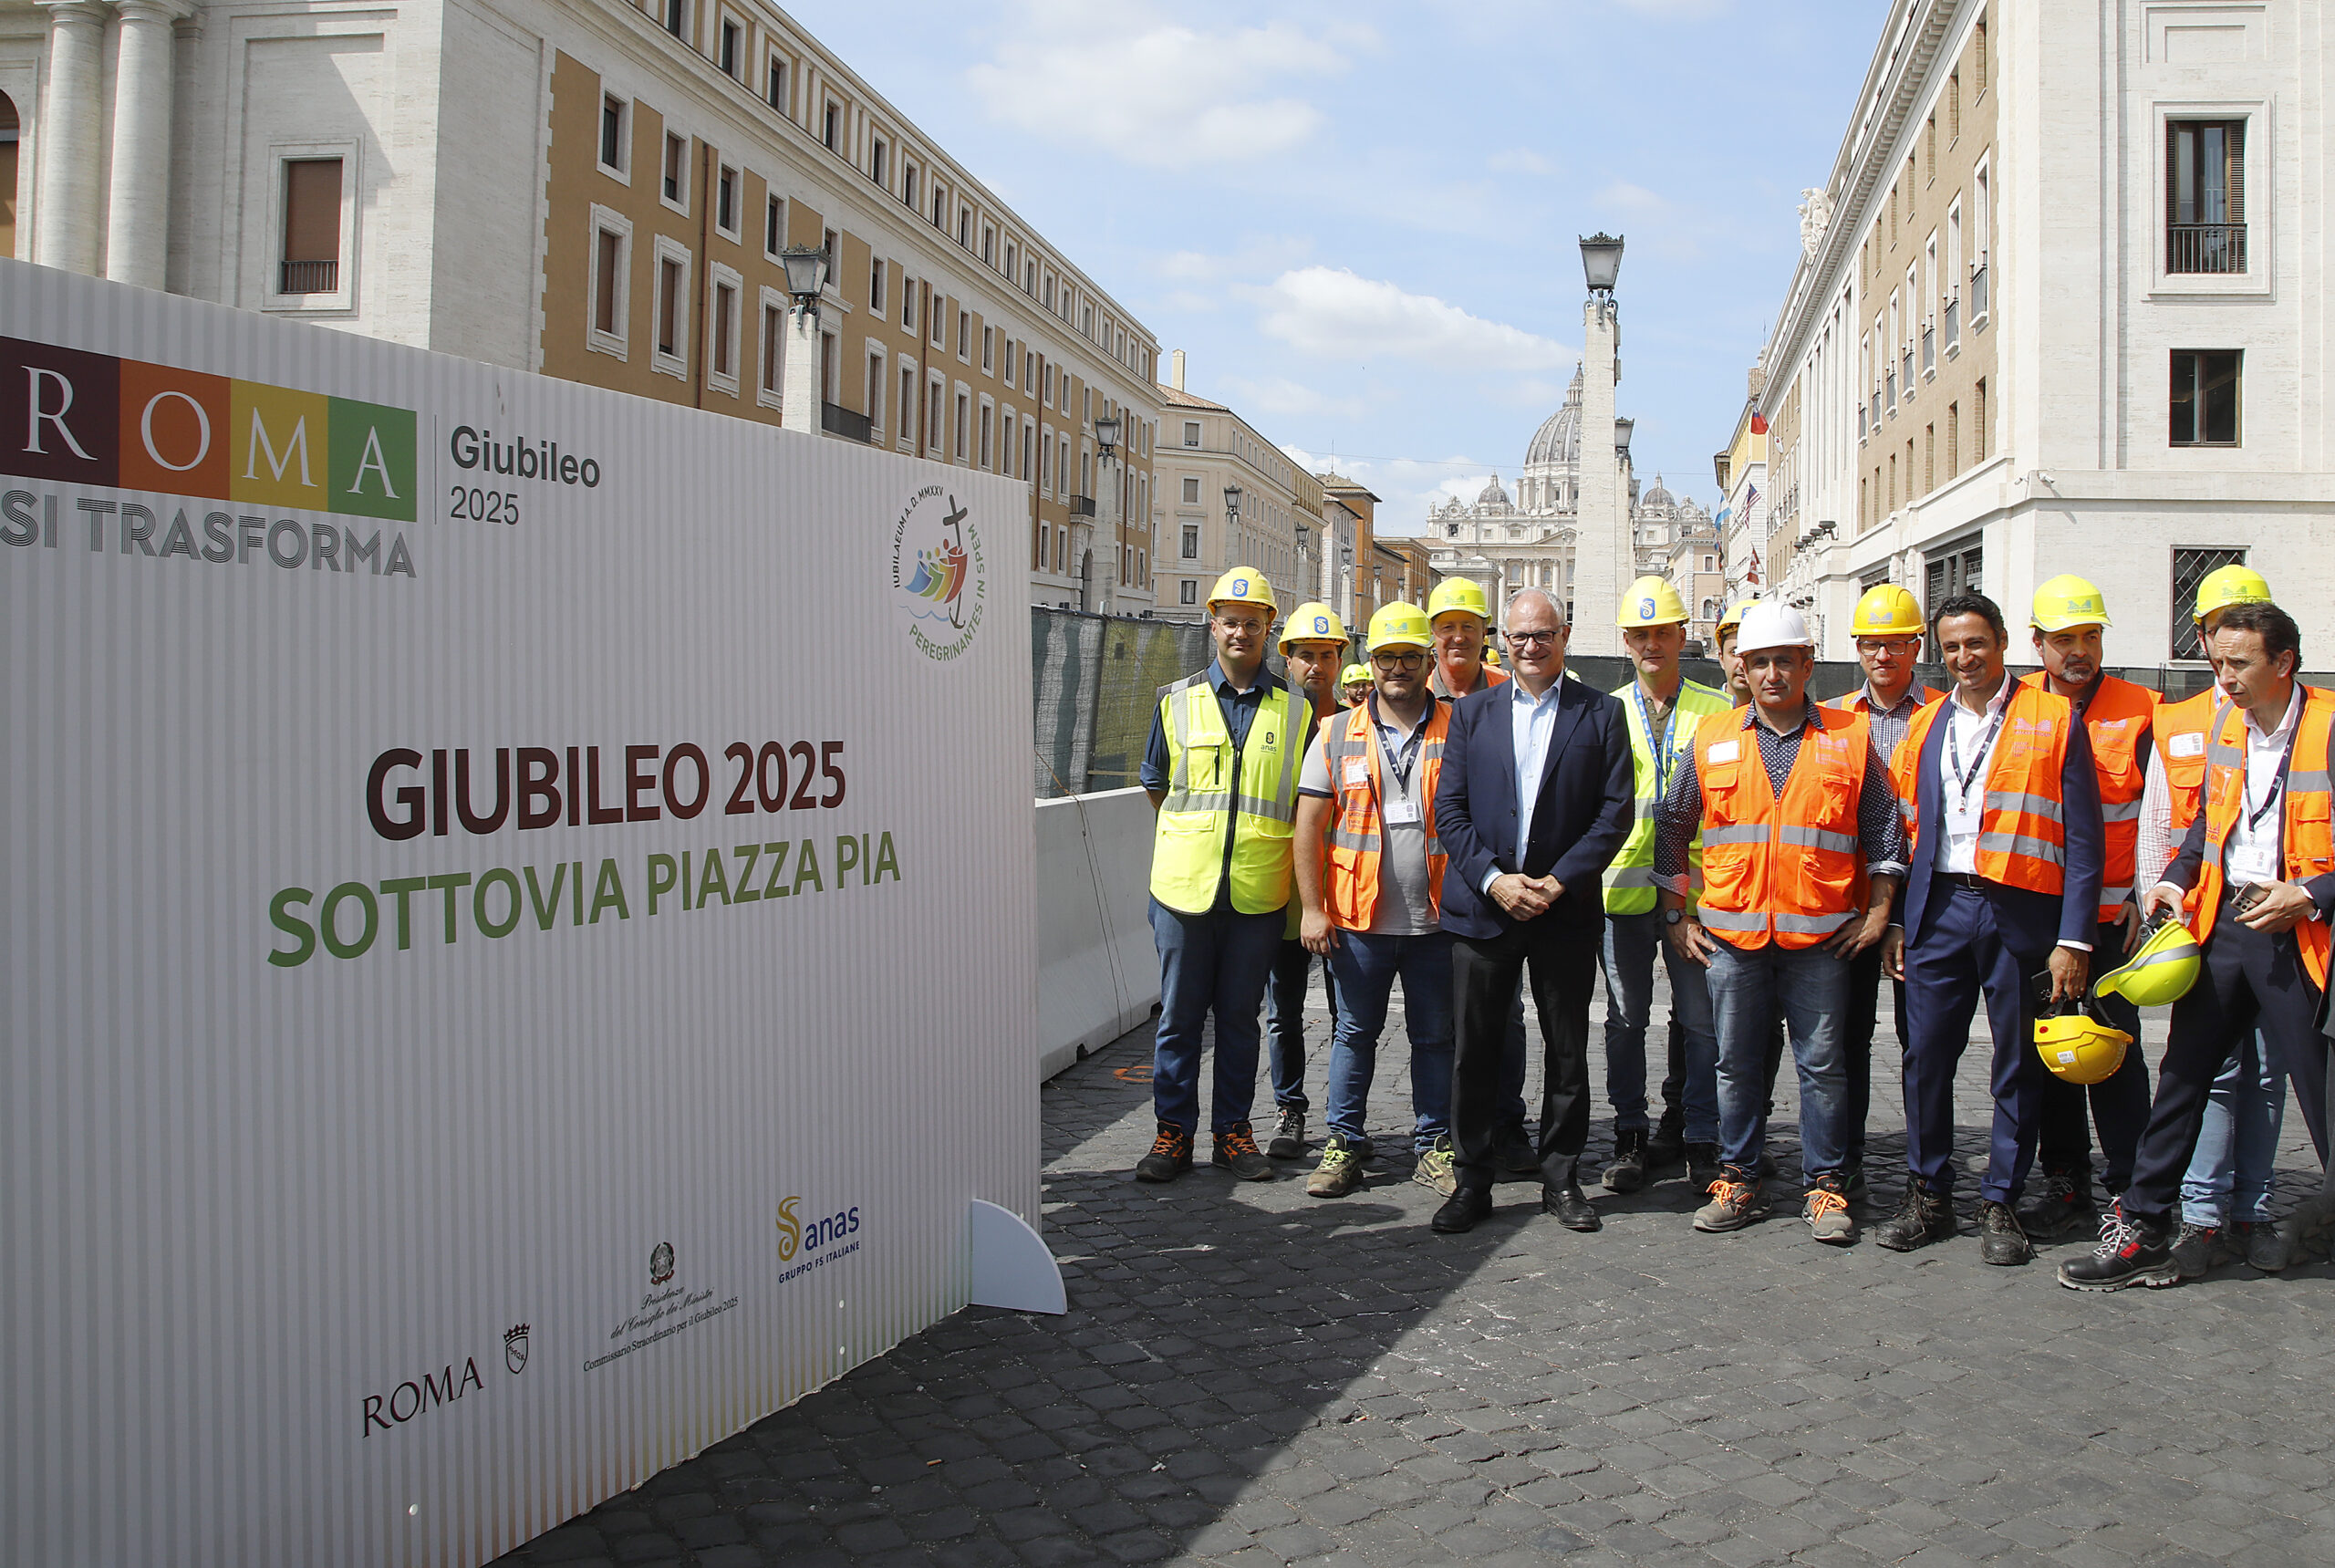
(1240, 1140)
(1170, 1142)
(1734, 1194)
(1823, 1201)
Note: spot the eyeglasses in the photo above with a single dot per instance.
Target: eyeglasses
(1887, 645)
(1531, 638)
(1399, 661)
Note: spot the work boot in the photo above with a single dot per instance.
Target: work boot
(1826, 1210)
(1737, 1198)
(1289, 1136)
(2063, 1207)
(1920, 1218)
(2131, 1252)
(1625, 1172)
(1338, 1174)
(1170, 1155)
(2263, 1245)
(1854, 1186)
(1436, 1170)
(1667, 1144)
(1236, 1151)
(1514, 1152)
(1703, 1167)
(2194, 1249)
(2001, 1242)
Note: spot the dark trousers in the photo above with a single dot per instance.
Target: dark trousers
(1561, 963)
(1962, 951)
(1674, 1078)
(2249, 980)
(1285, 1020)
(1863, 1022)
(2119, 1102)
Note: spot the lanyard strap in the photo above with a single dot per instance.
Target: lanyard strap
(2278, 782)
(1659, 745)
(1399, 762)
(1954, 748)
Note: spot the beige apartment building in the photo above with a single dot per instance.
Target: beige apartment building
(597, 190)
(1227, 497)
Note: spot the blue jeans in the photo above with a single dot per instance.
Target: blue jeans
(1628, 957)
(1216, 964)
(1285, 1021)
(2244, 1112)
(1812, 987)
(1362, 969)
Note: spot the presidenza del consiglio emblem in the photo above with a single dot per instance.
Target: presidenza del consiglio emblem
(939, 578)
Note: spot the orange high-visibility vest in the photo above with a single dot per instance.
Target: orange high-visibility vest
(1861, 699)
(2120, 713)
(2182, 730)
(1357, 778)
(1789, 870)
(2022, 831)
(2310, 843)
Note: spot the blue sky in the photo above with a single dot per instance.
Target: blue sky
(1360, 219)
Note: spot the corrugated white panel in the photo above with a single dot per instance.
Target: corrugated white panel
(238, 1201)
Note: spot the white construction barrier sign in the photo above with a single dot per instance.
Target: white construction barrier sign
(518, 943)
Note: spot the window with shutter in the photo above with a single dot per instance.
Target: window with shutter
(2205, 196)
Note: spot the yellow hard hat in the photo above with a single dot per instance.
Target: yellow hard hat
(1887, 610)
(1651, 601)
(1243, 586)
(2068, 600)
(2161, 970)
(2226, 585)
(1734, 616)
(1460, 594)
(1491, 657)
(1313, 622)
(1354, 675)
(2079, 1045)
(1399, 626)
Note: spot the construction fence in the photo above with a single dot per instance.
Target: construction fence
(1098, 681)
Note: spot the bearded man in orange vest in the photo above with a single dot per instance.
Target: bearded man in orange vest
(2069, 619)
(2256, 878)
(2001, 898)
(1374, 901)
(1802, 849)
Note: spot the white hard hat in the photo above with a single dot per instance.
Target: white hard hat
(1771, 625)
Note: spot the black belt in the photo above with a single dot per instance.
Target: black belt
(1971, 880)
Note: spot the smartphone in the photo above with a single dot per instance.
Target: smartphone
(2249, 896)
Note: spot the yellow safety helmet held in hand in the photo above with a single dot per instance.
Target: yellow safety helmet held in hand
(2068, 600)
(2226, 585)
(1886, 609)
(1354, 675)
(1734, 616)
(1460, 594)
(1399, 626)
(1313, 622)
(2161, 970)
(1651, 601)
(2079, 1045)
(1243, 586)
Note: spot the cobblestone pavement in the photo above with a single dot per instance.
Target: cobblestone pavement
(1248, 1375)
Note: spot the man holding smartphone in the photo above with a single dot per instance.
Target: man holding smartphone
(2257, 874)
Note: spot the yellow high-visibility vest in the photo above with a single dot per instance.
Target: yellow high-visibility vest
(1217, 791)
(1629, 876)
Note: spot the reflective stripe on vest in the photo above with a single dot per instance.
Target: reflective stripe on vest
(2183, 729)
(2308, 841)
(1784, 870)
(2021, 838)
(1217, 792)
(1350, 880)
(1629, 876)
(2120, 714)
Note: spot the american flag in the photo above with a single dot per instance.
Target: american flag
(1750, 498)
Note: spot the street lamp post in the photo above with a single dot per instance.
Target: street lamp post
(1107, 505)
(799, 393)
(1302, 532)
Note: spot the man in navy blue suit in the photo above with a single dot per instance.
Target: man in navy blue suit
(1536, 796)
(2001, 896)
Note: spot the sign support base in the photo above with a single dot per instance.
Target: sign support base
(1013, 1266)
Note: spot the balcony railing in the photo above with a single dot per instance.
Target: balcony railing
(1953, 322)
(310, 277)
(1860, 421)
(1892, 390)
(1906, 381)
(2204, 248)
(1977, 294)
(837, 419)
(1929, 350)
(1082, 506)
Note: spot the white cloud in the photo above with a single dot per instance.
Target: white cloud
(1632, 198)
(1277, 395)
(1520, 161)
(1335, 314)
(1158, 92)
(1255, 256)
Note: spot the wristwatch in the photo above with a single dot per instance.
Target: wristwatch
(1673, 915)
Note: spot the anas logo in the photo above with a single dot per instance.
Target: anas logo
(790, 1230)
(940, 578)
(1240, 587)
(1646, 609)
(818, 1241)
(660, 1264)
(514, 1349)
(1322, 625)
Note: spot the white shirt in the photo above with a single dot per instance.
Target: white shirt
(1966, 804)
(2257, 853)
(1530, 723)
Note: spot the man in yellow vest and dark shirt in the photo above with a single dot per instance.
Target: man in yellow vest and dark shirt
(1221, 770)
(1373, 901)
(1887, 626)
(2069, 620)
(1314, 647)
(2255, 877)
(1664, 709)
(1802, 847)
(1460, 619)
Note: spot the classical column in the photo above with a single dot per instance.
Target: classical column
(137, 205)
(71, 130)
(799, 393)
(1600, 553)
(1107, 523)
